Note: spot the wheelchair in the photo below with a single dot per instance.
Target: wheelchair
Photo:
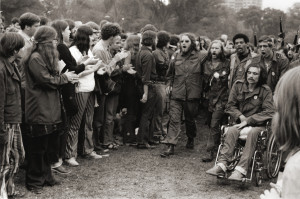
(267, 156)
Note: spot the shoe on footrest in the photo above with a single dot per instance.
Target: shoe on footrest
(216, 171)
(236, 175)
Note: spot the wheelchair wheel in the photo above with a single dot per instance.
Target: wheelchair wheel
(273, 158)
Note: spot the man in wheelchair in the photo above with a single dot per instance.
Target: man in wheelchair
(250, 102)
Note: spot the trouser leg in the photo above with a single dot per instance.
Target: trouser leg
(190, 112)
(75, 121)
(231, 138)
(111, 105)
(248, 150)
(176, 108)
(98, 122)
(87, 145)
(145, 133)
(39, 170)
(214, 131)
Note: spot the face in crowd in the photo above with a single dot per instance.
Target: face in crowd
(241, 46)
(117, 44)
(253, 75)
(32, 29)
(185, 43)
(66, 34)
(215, 50)
(264, 49)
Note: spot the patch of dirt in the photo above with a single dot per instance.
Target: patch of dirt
(133, 173)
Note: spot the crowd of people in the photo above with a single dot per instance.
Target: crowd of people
(72, 89)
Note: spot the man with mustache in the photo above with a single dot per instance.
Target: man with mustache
(250, 102)
(184, 79)
(216, 71)
(241, 59)
(274, 62)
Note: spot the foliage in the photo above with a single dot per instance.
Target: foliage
(203, 17)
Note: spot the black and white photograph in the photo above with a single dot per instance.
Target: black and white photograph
(150, 99)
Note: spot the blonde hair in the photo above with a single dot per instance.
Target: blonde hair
(286, 122)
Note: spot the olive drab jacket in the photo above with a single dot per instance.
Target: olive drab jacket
(279, 65)
(238, 67)
(185, 75)
(215, 82)
(256, 106)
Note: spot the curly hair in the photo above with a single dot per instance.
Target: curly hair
(222, 54)
(163, 38)
(28, 19)
(286, 122)
(148, 27)
(59, 26)
(82, 38)
(174, 39)
(240, 36)
(15, 20)
(11, 42)
(44, 46)
(110, 30)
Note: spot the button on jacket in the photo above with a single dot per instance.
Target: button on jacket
(42, 98)
(256, 106)
(10, 95)
(216, 83)
(185, 75)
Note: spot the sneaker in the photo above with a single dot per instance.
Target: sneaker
(72, 162)
(61, 170)
(215, 171)
(236, 175)
(94, 155)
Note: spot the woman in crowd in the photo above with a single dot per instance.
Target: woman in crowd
(11, 146)
(67, 63)
(85, 100)
(286, 129)
(43, 107)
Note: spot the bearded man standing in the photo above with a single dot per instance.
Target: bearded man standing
(216, 72)
(184, 78)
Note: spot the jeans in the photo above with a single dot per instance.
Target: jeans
(231, 138)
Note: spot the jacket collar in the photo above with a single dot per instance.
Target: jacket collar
(145, 48)
(249, 94)
(10, 68)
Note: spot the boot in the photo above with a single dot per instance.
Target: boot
(169, 151)
(190, 143)
(209, 156)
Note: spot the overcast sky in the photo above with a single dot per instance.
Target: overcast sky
(279, 4)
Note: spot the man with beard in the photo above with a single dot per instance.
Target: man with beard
(274, 62)
(184, 78)
(216, 71)
(250, 102)
(241, 59)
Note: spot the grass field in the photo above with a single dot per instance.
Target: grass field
(132, 173)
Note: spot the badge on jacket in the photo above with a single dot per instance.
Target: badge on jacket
(255, 97)
(273, 73)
